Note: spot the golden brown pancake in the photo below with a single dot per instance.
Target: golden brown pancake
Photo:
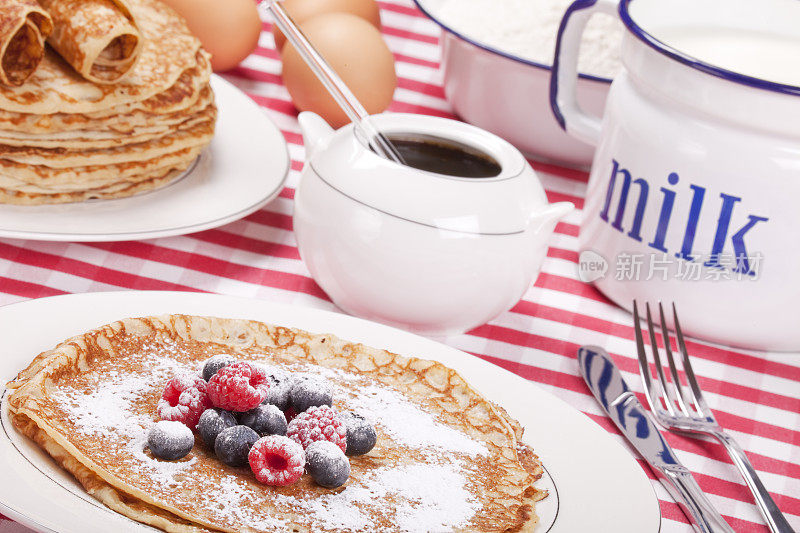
(66, 137)
(98, 38)
(24, 26)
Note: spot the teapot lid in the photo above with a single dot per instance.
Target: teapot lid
(497, 205)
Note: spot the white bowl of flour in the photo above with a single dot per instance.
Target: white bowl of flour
(496, 58)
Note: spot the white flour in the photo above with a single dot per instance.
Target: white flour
(528, 28)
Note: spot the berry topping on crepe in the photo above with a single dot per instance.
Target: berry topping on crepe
(238, 387)
(326, 464)
(278, 393)
(310, 392)
(212, 422)
(184, 400)
(233, 444)
(170, 440)
(213, 365)
(266, 419)
(277, 460)
(318, 423)
(361, 436)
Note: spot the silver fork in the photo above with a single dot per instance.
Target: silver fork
(681, 408)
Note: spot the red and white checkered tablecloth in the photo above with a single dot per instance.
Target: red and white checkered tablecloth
(755, 395)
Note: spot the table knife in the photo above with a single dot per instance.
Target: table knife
(621, 405)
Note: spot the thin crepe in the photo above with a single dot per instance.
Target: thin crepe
(457, 439)
(98, 38)
(24, 26)
(81, 146)
(119, 190)
(128, 120)
(32, 180)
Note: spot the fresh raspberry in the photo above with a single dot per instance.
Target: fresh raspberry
(238, 387)
(277, 460)
(184, 400)
(318, 423)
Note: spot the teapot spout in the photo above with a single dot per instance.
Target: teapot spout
(316, 132)
(550, 215)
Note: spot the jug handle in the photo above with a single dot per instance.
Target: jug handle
(563, 100)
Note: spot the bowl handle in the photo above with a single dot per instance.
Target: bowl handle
(563, 101)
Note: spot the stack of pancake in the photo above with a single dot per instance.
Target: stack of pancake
(106, 115)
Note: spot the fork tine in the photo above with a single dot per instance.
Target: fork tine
(644, 367)
(680, 392)
(669, 399)
(697, 394)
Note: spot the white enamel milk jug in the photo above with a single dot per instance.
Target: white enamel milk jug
(694, 187)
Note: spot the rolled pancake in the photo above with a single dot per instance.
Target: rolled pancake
(24, 26)
(98, 38)
(168, 50)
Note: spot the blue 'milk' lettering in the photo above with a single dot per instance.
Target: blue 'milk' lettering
(659, 242)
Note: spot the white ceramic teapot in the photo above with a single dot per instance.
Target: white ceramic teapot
(427, 252)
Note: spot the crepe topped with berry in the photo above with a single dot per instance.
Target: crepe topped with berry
(309, 432)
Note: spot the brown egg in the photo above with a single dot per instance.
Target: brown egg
(355, 50)
(303, 10)
(228, 29)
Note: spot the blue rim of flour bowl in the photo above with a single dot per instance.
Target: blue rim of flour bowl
(663, 48)
(488, 48)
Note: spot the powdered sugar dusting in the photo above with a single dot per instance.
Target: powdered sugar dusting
(107, 410)
(163, 473)
(425, 493)
(427, 498)
(404, 421)
(229, 500)
(409, 425)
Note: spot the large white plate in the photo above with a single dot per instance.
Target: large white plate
(594, 483)
(243, 169)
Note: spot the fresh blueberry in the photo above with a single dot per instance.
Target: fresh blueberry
(212, 422)
(309, 393)
(326, 464)
(266, 419)
(361, 436)
(279, 389)
(234, 443)
(213, 365)
(170, 440)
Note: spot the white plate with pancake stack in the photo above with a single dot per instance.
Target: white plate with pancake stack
(166, 149)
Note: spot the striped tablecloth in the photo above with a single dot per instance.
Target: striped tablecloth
(755, 395)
